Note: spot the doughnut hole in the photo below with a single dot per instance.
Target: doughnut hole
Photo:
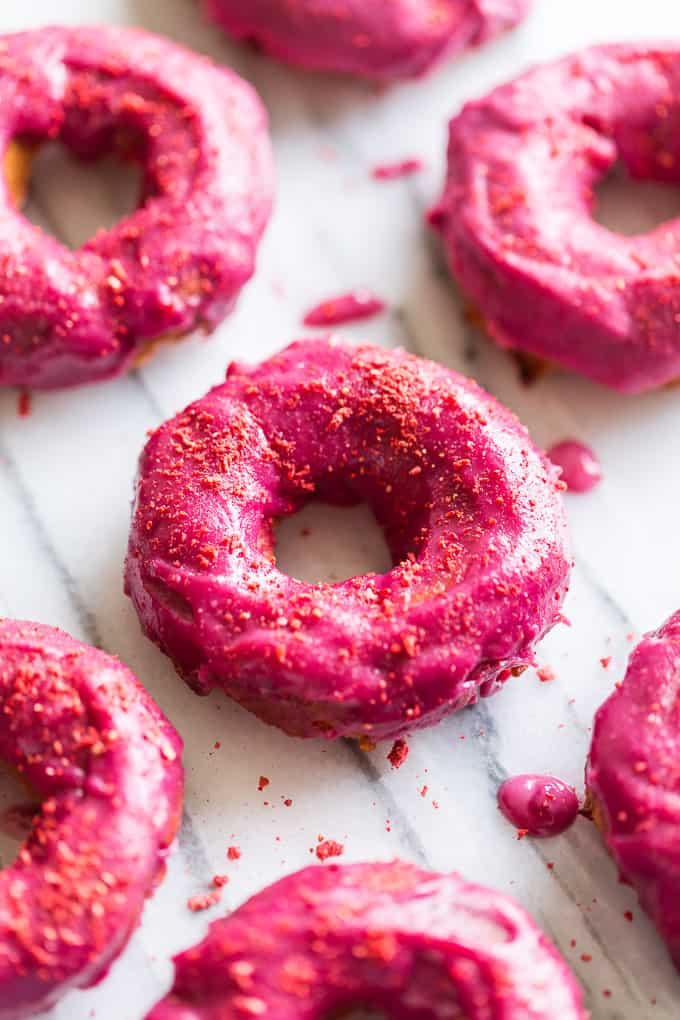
(368, 490)
(119, 132)
(70, 197)
(18, 806)
(639, 190)
(632, 207)
(324, 544)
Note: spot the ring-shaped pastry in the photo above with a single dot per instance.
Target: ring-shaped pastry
(516, 214)
(175, 264)
(87, 738)
(370, 38)
(418, 945)
(470, 510)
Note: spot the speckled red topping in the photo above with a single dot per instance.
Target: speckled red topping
(516, 214)
(386, 936)
(633, 777)
(374, 38)
(469, 508)
(84, 734)
(175, 264)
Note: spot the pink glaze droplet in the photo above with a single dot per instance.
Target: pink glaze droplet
(357, 304)
(581, 469)
(392, 171)
(538, 805)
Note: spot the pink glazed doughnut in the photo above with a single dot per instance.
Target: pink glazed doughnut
(380, 40)
(516, 214)
(469, 508)
(633, 778)
(385, 936)
(179, 261)
(80, 729)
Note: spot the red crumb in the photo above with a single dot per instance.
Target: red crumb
(234, 853)
(398, 754)
(607, 993)
(220, 880)
(605, 662)
(550, 865)
(521, 833)
(329, 848)
(423, 792)
(204, 900)
(217, 745)
(350, 307)
(392, 171)
(24, 404)
(262, 783)
(628, 914)
(586, 957)
(288, 802)
(545, 674)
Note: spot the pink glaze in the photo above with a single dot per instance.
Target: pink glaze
(80, 729)
(538, 805)
(469, 508)
(351, 307)
(580, 467)
(516, 214)
(179, 261)
(385, 936)
(633, 778)
(399, 39)
(393, 171)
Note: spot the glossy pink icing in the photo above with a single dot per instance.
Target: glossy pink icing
(516, 214)
(538, 805)
(579, 464)
(386, 936)
(81, 730)
(400, 39)
(179, 261)
(469, 507)
(633, 777)
(350, 307)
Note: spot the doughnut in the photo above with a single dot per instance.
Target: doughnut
(632, 778)
(400, 39)
(90, 742)
(175, 264)
(469, 508)
(387, 936)
(517, 224)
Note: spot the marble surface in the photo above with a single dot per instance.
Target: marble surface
(66, 475)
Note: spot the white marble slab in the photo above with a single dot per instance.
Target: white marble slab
(65, 484)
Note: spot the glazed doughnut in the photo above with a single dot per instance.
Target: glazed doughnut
(386, 936)
(632, 778)
(175, 264)
(469, 508)
(401, 39)
(80, 729)
(516, 214)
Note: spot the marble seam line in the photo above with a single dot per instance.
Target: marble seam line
(408, 835)
(86, 618)
(90, 628)
(88, 622)
(188, 835)
(497, 775)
